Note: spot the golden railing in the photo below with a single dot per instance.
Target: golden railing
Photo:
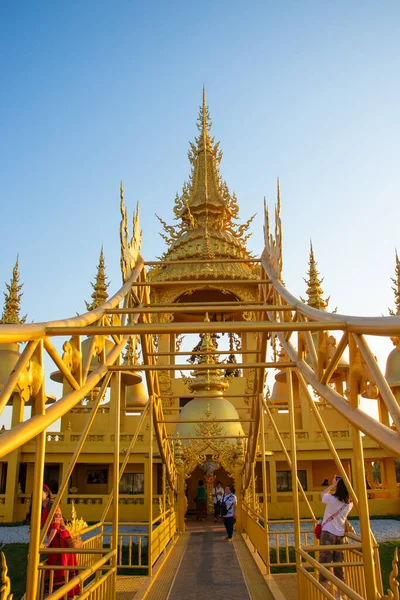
(94, 580)
(253, 526)
(94, 574)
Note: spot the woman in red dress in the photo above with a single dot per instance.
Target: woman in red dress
(57, 536)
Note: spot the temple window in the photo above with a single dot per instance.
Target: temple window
(284, 480)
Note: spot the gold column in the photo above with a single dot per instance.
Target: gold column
(293, 456)
(13, 462)
(272, 480)
(182, 503)
(239, 497)
(264, 480)
(116, 401)
(150, 485)
(36, 512)
(358, 472)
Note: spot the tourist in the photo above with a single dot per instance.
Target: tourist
(338, 506)
(218, 492)
(324, 483)
(201, 507)
(228, 505)
(57, 536)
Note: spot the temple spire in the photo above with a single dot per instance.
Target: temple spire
(12, 302)
(396, 288)
(314, 290)
(100, 294)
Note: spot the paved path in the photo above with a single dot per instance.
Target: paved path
(209, 569)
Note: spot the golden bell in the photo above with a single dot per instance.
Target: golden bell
(127, 377)
(9, 355)
(136, 396)
(340, 373)
(392, 373)
(279, 392)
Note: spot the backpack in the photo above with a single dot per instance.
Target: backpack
(224, 508)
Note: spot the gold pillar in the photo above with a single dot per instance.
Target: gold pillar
(239, 497)
(150, 485)
(264, 480)
(272, 480)
(293, 456)
(359, 475)
(182, 501)
(36, 512)
(13, 461)
(115, 404)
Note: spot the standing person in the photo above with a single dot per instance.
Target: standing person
(338, 506)
(228, 504)
(201, 507)
(218, 492)
(57, 536)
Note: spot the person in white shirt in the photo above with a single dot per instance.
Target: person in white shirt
(228, 505)
(338, 506)
(218, 492)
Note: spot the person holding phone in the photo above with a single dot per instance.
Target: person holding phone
(338, 506)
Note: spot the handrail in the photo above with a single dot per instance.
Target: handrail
(368, 325)
(79, 579)
(328, 575)
(36, 331)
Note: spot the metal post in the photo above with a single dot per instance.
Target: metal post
(150, 486)
(358, 470)
(36, 509)
(116, 395)
(264, 482)
(292, 428)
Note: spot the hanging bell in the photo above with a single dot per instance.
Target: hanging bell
(279, 393)
(392, 373)
(136, 396)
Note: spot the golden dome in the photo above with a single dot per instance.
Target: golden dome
(207, 413)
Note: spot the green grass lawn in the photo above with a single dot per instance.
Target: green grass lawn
(16, 557)
(386, 553)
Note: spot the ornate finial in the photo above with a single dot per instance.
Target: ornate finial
(129, 249)
(130, 356)
(12, 302)
(206, 251)
(5, 582)
(206, 379)
(393, 593)
(205, 199)
(278, 196)
(396, 288)
(178, 450)
(314, 290)
(100, 294)
(75, 526)
(266, 222)
(273, 242)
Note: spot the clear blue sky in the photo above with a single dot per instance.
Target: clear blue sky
(94, 92)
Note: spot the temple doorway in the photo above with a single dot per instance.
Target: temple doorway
(210, 479)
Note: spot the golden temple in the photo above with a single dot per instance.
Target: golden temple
(144, 415)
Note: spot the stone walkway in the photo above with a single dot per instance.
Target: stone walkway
(209, 569)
